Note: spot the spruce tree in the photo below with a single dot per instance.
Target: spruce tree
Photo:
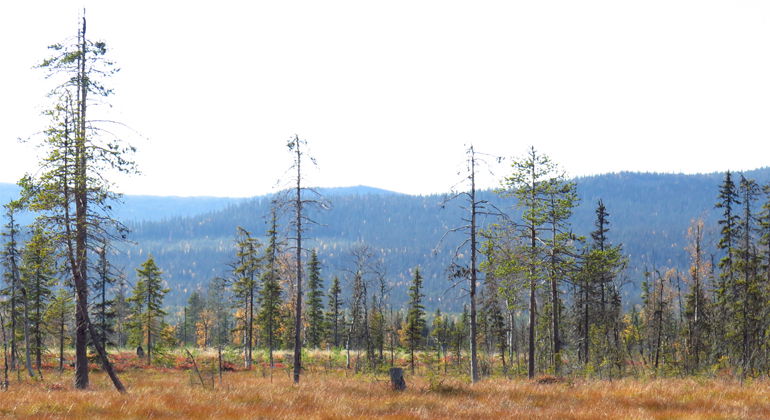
(748, 298)
(11, 275)
(415, 317)
(728, 201)
(147, 306)
(315, 318)
(245, 290)
(602, 265)
(38, 272)
(269, 316)
(333, 313)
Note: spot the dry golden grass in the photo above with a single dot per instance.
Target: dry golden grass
(158, 394)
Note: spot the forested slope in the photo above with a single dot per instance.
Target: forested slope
(649, 215)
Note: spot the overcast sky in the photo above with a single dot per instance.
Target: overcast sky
(389, 94)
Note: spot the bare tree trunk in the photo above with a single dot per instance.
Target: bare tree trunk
(532, 320)
(13, 323)
(473, 279)
(298, 309)
(5, 353)
(79, 258)
(660, 323)
(532, 286)
(585, 321)
(38, 335)
(14, 287)
(250, 326)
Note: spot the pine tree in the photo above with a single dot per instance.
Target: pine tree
(415, 317)
(315, 319)
(546, 200)
(334, 312)
(561, 261)
(147, 303)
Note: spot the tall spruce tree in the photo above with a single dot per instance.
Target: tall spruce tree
(728, 201)
(601, 314)
(147, 306)
(71, 193)
(415, 317)
(315, 318)
(749, 300)
(245, 286)
(269, 316)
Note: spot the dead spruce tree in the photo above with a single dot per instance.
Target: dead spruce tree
(299, 200)
(475, 208)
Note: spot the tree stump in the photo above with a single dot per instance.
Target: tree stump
(140, 352)
(397, 382)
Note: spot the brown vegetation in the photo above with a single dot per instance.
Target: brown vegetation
(175, 393)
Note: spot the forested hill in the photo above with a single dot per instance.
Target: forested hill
(649, 215)
(145, 207)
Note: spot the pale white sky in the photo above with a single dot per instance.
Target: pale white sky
(388, 93)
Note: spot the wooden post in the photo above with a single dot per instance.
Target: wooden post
(397, 382)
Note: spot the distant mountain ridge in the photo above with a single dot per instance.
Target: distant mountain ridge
(154, 208)
(357, 189)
